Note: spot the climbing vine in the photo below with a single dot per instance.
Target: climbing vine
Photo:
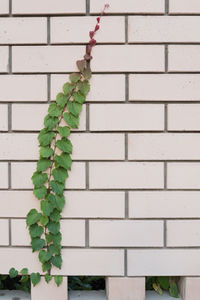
(53, 168)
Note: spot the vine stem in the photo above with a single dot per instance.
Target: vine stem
(52, 157)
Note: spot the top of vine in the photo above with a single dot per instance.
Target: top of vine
(81, 64)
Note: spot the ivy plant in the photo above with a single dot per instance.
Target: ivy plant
(53, 167)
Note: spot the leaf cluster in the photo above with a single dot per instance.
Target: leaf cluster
(52, 171)
(161, 283)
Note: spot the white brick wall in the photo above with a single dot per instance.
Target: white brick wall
(135, 179)
(4, 9)
(184, 6)
(23, 30)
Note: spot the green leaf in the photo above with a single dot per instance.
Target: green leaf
(55, 216)
(50, 122)
(47, 278)
(39, 179)
(60, 202)
(54, 110)
(62, 99)
(57, 201)
(87, 73)
(56, 239)
(60, 174)
(52, 199)
(81, 64)
(35, 278)
(24, 278)
(64, 160)
(157, 288)
(71, 120)
(43, 164)
(64, 145)
(46, 207)
(35, 230)
(44, 256)
(46, 152)
(58, 280)
(163, 282)
(24, 271)
(44, 220)
(84, 87)
(37, 244)
(74, 108)
(40, 193)
(57, 187)
(55, 249)
(57, 261)
(45, 137)
(13, 273)
(53, 227)
(173, 290)
(46, 266)
(64, 131)
(78, 97)
(68, 88)
(75, 77)
(32, 217)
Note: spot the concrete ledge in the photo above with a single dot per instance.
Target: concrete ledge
(79, 295)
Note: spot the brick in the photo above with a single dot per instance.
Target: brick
(3, 175)
(183, 175)
(129, 6)
(191, 236)
(16, 146)
(148, 58)
(76, 176)
(79, 204)
(18, 259)
(65, 30)
(122, 288)
(163, 146)
(4, 59)
(123, 117)
(183, 117)
(164, 204)
(156, 262)
(182, 29)
(50, 291)
(88, 262)
(184, 58)
(4, 233)
(17, 30)
(17, 203)
(103, 87)
(3, 117)
(4, 9)
(189, 288)
(184, 7)
(91, 146)
(41, 59)
(73, 233)
(20, 235)
(165, 87)
(125, 175)
(49, 7)
(125, 234)
(91, 204)
(33, 117)
(16, 88)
